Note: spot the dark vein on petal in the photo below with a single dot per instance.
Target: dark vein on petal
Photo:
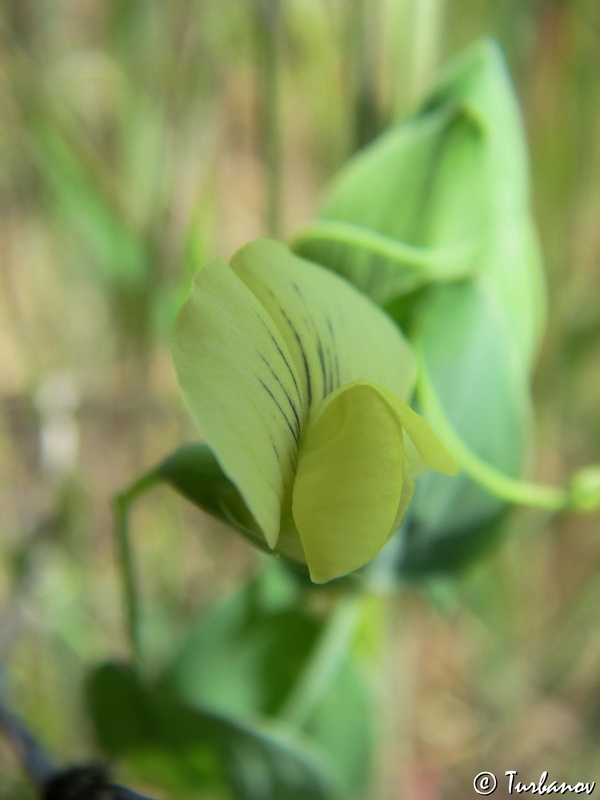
(336, 365)
(287, 397)
(304, 359)
(321, 356)
(329, 370)
(275, 450)
(283, 356)
(283, 414)
(279, 461)
(285, 474)
(293, 454)
(334, 350)
(310, 321)
(287, 364)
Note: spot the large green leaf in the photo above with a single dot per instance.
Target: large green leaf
(461, 340)
(440, 197)
(189, 750)
(249, 655)
(376, 224)
(244, 655)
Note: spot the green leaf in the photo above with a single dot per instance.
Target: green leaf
(247, 657)
(189, 750)
(443, 552)
(461, 339)
(441, 197)
(376, 225)
(194, 472)
(344, 727)
(244, 655)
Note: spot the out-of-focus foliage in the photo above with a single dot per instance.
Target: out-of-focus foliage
(262, 653)
(188, 749)
(255, 702)
(131, 150)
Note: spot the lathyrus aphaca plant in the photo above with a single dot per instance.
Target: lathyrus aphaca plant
(432, 223)
(300, 383)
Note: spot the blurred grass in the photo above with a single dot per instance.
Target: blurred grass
(132, 147)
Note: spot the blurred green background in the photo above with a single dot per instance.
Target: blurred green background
(136, 140)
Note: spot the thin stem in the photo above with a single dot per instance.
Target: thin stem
(325, 660)
(442, 263)
(122, 502)
(549, 498)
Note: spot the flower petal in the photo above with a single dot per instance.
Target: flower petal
(335, 333)
(348, 487)
(428, 445)
(242, 387)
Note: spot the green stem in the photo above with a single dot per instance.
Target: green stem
(442, 263)
(122, 502)
(325, 661)
(512, 490)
